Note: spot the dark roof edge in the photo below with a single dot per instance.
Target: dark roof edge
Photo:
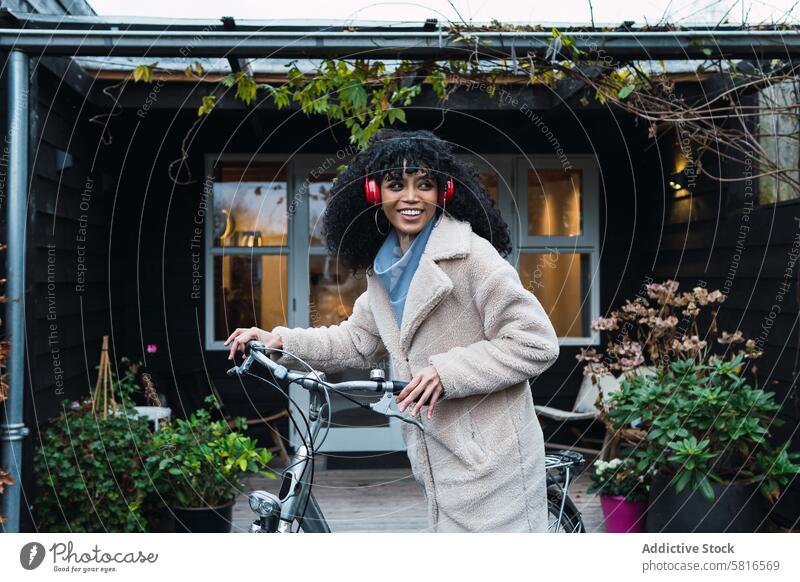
(93, 36)
(350, 25)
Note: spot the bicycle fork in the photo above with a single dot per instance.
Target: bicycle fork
(276, 513)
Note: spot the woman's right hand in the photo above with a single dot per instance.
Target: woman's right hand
(242, 335)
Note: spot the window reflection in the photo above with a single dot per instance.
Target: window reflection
(561, 283)
(554, 202)
(333, 290)
(249, 290)
(318, 195)
(250, 204)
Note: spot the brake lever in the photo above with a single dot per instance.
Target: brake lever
(388, 407)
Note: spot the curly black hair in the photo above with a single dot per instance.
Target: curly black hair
(349, 221)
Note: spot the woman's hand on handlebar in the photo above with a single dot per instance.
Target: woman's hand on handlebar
(424, 387)
(242, 335)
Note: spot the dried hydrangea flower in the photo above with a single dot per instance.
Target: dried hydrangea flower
(588, 355)
(750, 349)
(661, 325)
(594, 370)
(635, 308)
(629, 354)
(662, 292)
(692, 310)
(605, 324)
(692, 345)
(731, 338)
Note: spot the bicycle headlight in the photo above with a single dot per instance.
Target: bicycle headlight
(265, 504)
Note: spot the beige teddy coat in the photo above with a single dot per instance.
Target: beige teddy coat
(480, 460)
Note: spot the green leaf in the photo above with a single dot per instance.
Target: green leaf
(354, 93)
(706, 489)
(144, 73)
(625, 91)
(207, 105)
(682, 481)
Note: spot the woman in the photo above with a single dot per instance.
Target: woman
(456, 321)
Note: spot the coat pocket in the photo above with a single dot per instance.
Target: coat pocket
(473, 442)
(456, 444)
(492, 426)
(460, 439)
(475, 433)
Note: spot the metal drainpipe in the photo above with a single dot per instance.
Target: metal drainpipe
(13, 429)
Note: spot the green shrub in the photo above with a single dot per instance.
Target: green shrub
(199, 462)
(704, 423)
(91, 471)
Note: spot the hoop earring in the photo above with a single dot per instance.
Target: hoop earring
(376, 221)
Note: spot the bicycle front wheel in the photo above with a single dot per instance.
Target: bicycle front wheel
(566, 521)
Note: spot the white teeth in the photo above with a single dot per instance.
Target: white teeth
(411, 212)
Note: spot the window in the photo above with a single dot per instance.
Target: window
(248, 251)
(554, 202)
(557, 241)
(778, 134)
(560, 280)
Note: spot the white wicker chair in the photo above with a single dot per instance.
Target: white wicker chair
(585, 405)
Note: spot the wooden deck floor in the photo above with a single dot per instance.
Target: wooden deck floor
(386, 500)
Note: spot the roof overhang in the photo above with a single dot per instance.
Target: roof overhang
(101, 36)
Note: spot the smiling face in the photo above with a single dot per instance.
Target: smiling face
(409, 200)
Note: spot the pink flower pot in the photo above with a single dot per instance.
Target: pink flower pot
(623, 516)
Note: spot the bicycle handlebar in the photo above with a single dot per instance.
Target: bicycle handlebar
(255, 352)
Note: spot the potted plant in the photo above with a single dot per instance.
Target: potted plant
(693, 419)
(198, 467)
(623, 493)
(706, 429)
(91, 471)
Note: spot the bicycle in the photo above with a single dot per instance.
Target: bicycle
(282, 513)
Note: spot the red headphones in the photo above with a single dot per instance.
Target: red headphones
(373, 192)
